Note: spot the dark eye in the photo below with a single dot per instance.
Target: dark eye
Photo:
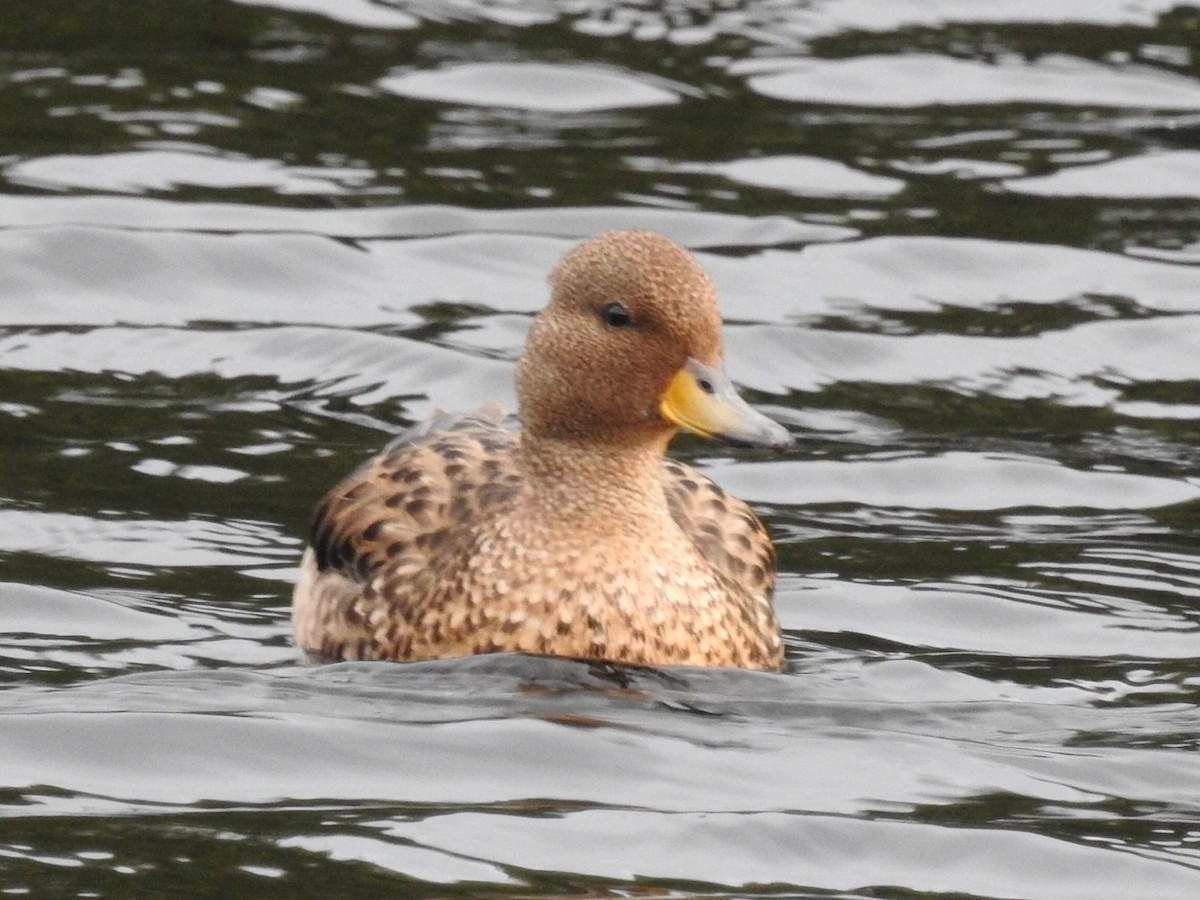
(616, 316)
(706, 386)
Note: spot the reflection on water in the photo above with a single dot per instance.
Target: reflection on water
(243, 242)
(920, 80)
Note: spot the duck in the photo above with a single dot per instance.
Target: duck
(572, 535)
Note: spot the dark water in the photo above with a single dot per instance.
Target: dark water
(958, 247)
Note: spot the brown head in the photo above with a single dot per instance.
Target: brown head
(629, 350)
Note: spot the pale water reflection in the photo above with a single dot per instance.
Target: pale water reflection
(539, 87)
(917, 80)
(1175, 174)
(242, 243)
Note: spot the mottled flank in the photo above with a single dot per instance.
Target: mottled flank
(573, 536)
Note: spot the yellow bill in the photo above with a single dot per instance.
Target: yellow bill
(702, 399)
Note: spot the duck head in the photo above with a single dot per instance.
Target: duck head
(629, 350)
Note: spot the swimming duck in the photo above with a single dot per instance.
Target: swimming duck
(574, 536)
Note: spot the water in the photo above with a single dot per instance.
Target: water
(242, 243)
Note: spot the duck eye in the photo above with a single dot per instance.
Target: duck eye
(616, 316)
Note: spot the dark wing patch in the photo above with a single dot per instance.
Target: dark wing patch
(413, 497)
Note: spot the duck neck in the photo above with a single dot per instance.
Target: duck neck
(610, 487)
